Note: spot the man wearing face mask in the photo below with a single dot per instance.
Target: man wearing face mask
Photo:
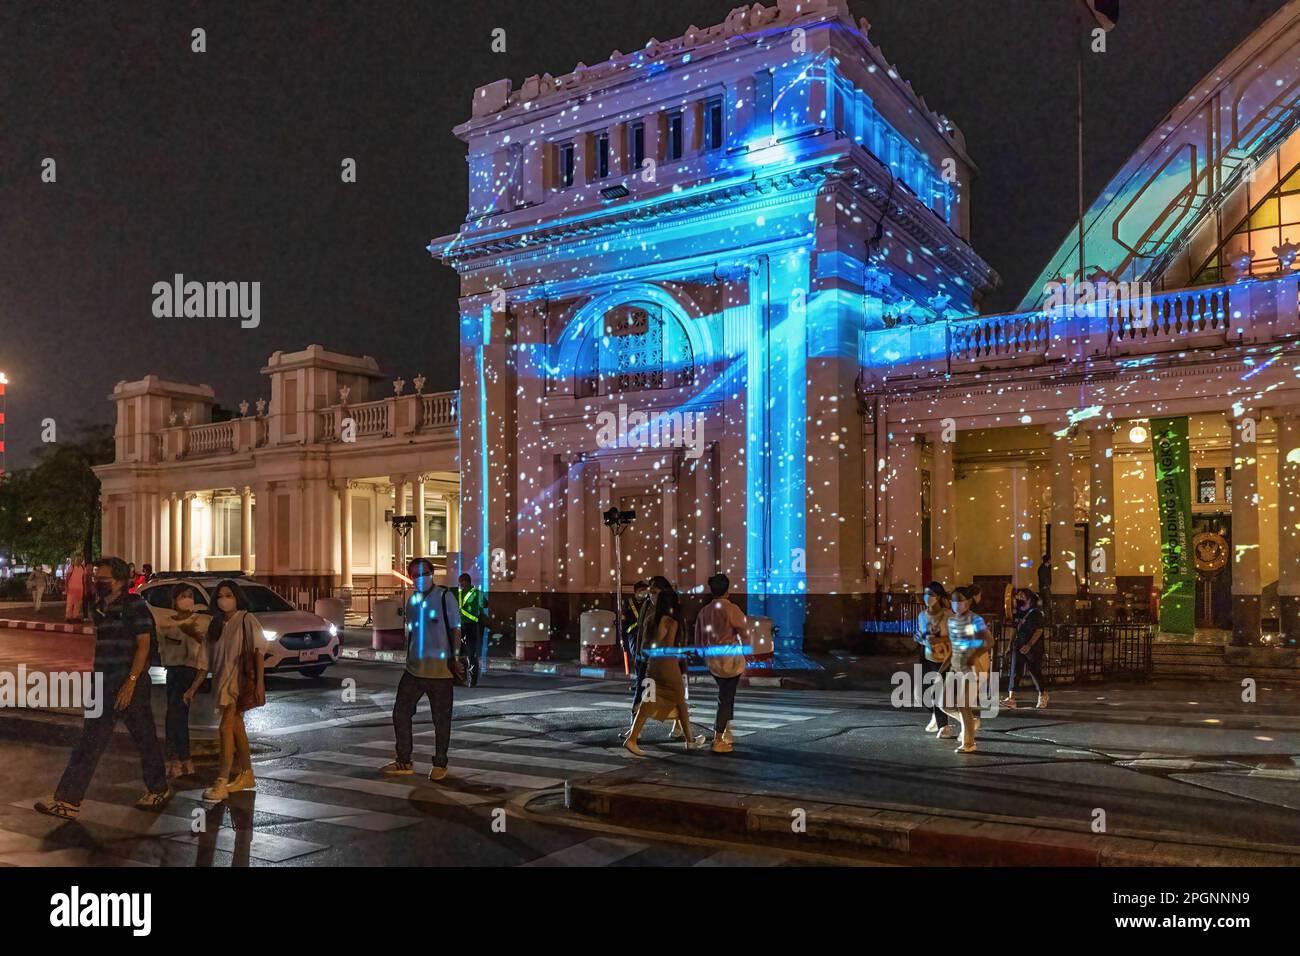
(123, 642)
(432, 661)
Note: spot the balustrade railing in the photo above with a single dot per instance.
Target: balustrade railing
(211, 439)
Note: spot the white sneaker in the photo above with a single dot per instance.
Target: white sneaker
(1042, 701)
(932, 726)
(946, 732)
(1009, 702)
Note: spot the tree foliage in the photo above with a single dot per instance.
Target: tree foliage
(48, 511)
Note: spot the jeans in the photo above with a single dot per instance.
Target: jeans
(409, 691)
(726, 701)
(929, 667)
(177, 723)
(1032, 663)
(470, 637)
(97, 732)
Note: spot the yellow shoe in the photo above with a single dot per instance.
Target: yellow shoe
(437, 773)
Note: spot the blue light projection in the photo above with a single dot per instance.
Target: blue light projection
(733, 249)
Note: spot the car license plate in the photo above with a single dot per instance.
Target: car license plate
(306, 657)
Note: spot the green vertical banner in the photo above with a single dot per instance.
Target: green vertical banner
(1172, 453)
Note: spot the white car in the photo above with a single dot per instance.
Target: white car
(295, 640)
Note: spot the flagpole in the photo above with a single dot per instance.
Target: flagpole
(1078, 75)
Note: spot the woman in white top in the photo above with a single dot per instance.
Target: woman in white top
(183, 650)
(971, 661)
(932, 642)
(234, 633)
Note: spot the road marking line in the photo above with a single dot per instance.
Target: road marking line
(261, 846)
(425, 793)
(600, 851)
(356, 817)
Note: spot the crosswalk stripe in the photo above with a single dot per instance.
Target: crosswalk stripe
(142, 822)
(763, 714)
(355, 817)
(260, 845)
(601, 851)
(68, 856)
(382, 788)
(533, 760)
(515, 725)
(524, 781)
(263, 846)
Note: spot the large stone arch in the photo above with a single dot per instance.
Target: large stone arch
(586, 317)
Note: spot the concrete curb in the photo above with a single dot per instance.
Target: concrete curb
(927, 833)
(574, 669)
(20, 624)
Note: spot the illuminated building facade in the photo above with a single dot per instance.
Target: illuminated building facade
(707, 230)
(300, 489)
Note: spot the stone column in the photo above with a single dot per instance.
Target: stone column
(1288, 524)
(1064, 586)
(1245, 529)
(345, 535)
(246, 529)
(575, 562)
(1024, 517)
(903, 495)
(1101, 515)
(174, 544)
(212, 528)
(453, 520)
(943, 514)
(706, 529)
(420, 539)
(186, 532)
(669, 490)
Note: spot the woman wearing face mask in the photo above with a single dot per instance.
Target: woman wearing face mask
(235, 654)
(935, 651)
(970, 664)
(183, 648)
(665, 630)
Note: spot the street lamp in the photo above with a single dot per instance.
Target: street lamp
(619, 521)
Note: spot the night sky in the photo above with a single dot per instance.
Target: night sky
(225, 165)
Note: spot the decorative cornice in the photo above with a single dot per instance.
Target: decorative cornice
(670, 204)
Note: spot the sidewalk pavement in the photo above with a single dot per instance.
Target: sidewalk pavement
(1165, 778)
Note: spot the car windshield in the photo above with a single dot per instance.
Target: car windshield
(264, 599)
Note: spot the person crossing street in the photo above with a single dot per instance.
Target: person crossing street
(473, 617)
(433, 664)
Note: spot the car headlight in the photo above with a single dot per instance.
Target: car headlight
(334, 631)
(268, 635)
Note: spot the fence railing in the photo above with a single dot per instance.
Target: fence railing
(1078, 653)
(210, 439)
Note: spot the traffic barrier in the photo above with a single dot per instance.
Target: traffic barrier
(331, 609)
(600, 647)
(533, 634)
(388, 630)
